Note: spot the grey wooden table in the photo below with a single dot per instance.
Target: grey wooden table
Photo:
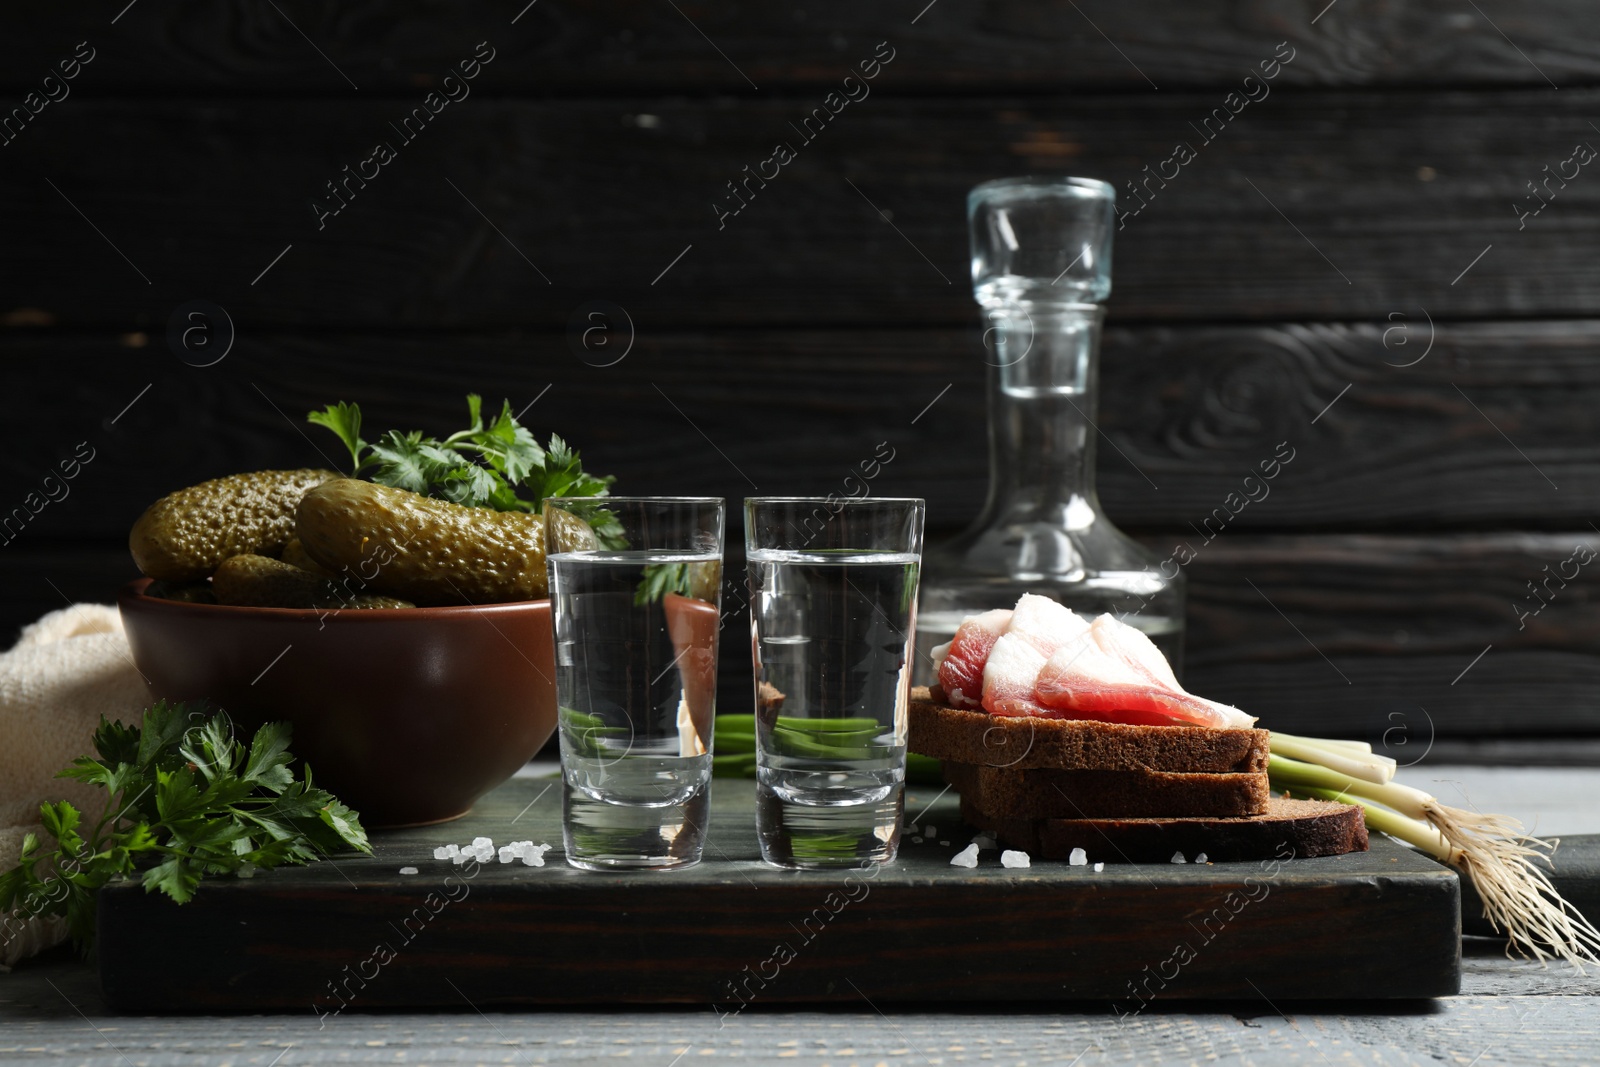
(1508, 1011)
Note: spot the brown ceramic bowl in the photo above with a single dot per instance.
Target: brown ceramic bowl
(408, 715)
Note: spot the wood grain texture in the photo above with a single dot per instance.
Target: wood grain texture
(1493, 429)
(1400, 619)
(1195, 409)
(1506, 1004)
(920, 929)
(556, 204)
(1555, 1029)
(1381, 637)
(602, 47)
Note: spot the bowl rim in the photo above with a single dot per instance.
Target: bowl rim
(134, 593)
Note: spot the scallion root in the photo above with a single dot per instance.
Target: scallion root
(1494, 851)
(1518, 899)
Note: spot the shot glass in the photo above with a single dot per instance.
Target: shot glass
(635, 586)
(833, 587)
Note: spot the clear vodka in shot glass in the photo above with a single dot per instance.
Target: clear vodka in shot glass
(635, 588)
(833, 587)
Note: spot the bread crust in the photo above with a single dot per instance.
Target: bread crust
(1057, 794)
(1028, 743)
(1289, 829)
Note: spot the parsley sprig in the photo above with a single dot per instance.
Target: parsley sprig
(184, 800)
(483, 466)
(698, 580)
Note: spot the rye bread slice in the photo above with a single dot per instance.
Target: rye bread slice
(1028, 743)
(1052, 794)
(1290, 829)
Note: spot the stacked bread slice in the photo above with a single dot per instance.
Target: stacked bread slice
(1135, 794)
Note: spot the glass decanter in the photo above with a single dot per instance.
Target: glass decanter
(1041, 266)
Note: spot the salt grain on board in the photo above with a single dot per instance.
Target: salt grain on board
(1200, 858)
(1099, 867)
(1078, 858)
(967, 857)
(1009, 858)
(481, 849)
(1177, 857)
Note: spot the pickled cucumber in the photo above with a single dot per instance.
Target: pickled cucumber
(424, 549)
(258, 581)
(295, 553)
(184, 536)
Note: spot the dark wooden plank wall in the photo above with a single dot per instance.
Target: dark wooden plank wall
(1352, 235)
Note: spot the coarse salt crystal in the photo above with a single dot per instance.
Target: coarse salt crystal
(533, 855)
(479, 842)
(930, 831)
(944, 843)
(1200, 858)
(1177, 857)
(507, 853)
(1078, 858)
(1009, 858)
(445, 852)
(408, 870)
(967, 857)
(1099, 867)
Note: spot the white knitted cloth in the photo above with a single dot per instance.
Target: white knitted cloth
(67, 670)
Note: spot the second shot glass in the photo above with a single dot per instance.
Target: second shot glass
(635, 592)
(833, 588)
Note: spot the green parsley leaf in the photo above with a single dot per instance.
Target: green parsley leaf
(661, 579)
(184, 800)
(497, 464)
(345, 421)
(268, 763)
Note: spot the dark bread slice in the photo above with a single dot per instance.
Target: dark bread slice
(1051, 794)
(1028, 743)
(1290, 829)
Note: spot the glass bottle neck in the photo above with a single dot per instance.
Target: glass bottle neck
(1043, 387)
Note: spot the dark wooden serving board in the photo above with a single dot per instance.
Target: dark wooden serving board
(356, 934)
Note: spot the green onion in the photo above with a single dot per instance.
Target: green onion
(1492, 850)
(1411, 831)
(827, 725)
(1402, 798)
(735, 745)
(1339, 757)
(734, 765)
(1333, 742)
